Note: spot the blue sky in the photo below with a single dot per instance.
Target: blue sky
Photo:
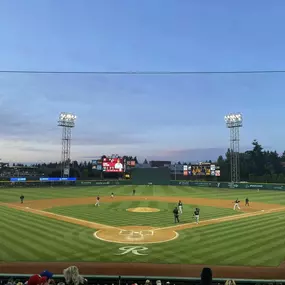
(178, 117)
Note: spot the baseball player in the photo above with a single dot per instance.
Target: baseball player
(134, 192)
(246, 202)
(22, 198)
(196, 215)
(97, 201)
(180, 207)
(176, 215)
(236, 204)
(112, 195)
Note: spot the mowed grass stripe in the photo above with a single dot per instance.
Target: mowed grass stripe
(224, 244)
(13, 194)
(39, 239)
(38, 234)
(116, 214)
(270, 197)
(238, 228)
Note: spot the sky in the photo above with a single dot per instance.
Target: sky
(169, 117)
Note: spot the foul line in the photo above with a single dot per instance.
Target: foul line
(98, 226)
(222, 219)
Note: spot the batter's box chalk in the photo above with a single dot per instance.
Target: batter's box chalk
(124, 232)
(147, 233)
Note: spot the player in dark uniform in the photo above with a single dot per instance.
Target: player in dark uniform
(134, 192)
(176, 215)
(247, 202)
(22, 198)
(196, 215)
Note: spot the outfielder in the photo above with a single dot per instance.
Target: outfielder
(196, 215)
(236, 205)
(180, 207)
(97, 201)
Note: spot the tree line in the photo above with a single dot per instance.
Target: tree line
(256, 165)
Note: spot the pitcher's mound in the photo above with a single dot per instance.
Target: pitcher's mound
(143, 210)
(136, 235)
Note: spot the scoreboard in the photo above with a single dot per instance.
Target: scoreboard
(201, 169)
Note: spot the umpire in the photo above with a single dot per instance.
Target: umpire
(176, 215)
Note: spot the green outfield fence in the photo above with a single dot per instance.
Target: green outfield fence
(106, 279)
(211, 184)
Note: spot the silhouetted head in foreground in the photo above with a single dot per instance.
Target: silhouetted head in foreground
(206, 276)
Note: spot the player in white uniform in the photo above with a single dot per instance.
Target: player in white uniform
(112, 195)
(236, 204)
(180, 207)
(97, 201)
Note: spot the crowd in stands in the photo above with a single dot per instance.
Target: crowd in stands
(16, 172)
(71, 276)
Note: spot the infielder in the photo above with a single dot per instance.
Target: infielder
(97, 201)
(196, 215)
(180, 207)
(247, 202)
(22, 198)
(112, 195)
(236, 205)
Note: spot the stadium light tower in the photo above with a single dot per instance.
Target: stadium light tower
(234, 123)
(67, 122)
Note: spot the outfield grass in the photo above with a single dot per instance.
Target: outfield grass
(271, 197)
(116, 213)
(252, 241)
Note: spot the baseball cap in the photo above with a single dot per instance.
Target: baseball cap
(37, 280)
(47, 274)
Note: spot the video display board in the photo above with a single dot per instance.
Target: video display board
(97, 164)
(113, 164)
(201, 169)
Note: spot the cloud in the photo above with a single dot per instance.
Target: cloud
(190, 155)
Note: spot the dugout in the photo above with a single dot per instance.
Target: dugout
(155, 176)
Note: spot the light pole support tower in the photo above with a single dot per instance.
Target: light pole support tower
(234, 123)
(66, 121)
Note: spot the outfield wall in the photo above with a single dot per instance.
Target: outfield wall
(225, 185)
(213, 184)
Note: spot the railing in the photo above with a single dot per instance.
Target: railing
(122, 280)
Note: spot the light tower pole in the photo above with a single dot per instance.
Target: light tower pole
(234, 123)
(67, 122)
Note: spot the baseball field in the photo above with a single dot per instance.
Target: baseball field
(136, 235)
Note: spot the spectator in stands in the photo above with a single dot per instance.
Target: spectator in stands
(72, 276)
(38, 280)
(230, 282)
(147, 282)
(206, 276)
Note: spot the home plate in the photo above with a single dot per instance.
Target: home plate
(27, 207)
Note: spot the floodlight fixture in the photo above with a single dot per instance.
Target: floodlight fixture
(66, 120)
(234, 120)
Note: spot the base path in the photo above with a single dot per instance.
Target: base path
(147, 270)
(51, 203)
